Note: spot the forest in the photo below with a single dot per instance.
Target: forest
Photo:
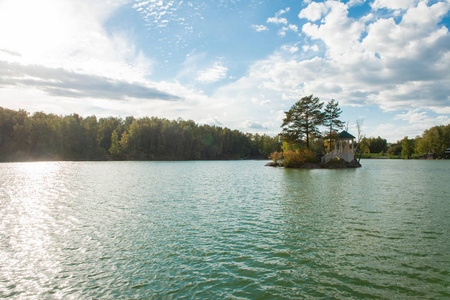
(41, 136)
(431, 144)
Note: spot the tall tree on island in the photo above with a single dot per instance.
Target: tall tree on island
(302, 120)
(331, 118)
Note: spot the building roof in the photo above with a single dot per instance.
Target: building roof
(345, 135)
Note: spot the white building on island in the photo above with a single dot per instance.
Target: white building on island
(344, 148)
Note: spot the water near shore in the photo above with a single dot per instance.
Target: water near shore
(227, 229)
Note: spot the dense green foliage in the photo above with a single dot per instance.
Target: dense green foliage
(331, 120)
(373, 145)
(407, 147)
(395, 149)
(302, 120)
(433, 142)
(48, 136)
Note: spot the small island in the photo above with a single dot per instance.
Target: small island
(335, 164)
(342, 157)
(303, 146)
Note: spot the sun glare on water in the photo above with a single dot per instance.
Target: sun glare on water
(27, 212)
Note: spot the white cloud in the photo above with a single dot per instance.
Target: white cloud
(367, 18)
(211, 120)
(215, 73)
(60, 82)
(250, 124)
(307, 48)
(355, 3)
(262, 102)
(414, 116)
(391, 131)
(422, 118)
(290, 48)
(259, 28)
(277, 19)
(337, 31)
(70, 35)
(285, 29)
(394, 66)
(59, 51)
(313, 12)
(393, 4)
(418, 120)
(160, 13)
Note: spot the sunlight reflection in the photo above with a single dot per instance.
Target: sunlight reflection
(28, 210)
(36, 169)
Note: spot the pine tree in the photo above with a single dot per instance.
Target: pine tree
(331, 118)
(302, 120)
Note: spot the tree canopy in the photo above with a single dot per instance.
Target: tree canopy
(72, 137)
(407, 147)
(301, 123)
(331, 120)
(434, 140)
(303, 120)
(373, 145)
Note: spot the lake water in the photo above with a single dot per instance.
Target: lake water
(224, 229)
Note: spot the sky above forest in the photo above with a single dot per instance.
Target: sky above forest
(231, 63)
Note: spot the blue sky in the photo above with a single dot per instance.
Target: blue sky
(232, 63)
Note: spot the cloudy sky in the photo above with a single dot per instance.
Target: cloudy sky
(232, 63)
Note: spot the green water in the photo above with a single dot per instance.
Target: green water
(220, 230)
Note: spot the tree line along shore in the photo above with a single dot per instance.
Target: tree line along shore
(41, 136)
(431, 144)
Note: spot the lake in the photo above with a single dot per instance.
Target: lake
(224, 229)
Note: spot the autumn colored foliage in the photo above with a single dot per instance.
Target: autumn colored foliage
(293, 158)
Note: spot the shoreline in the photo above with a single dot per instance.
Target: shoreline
(318, 165)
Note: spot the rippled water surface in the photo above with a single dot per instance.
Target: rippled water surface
(232, 229)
